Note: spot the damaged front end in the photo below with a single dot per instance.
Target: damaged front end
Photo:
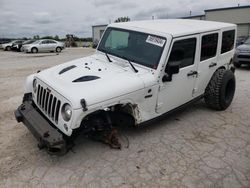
(100, 125)
(48, 137)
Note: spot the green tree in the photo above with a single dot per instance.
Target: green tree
(36, 37)
(123, 19)
(56, 37)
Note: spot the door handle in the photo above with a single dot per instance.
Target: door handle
(213, 64)
(191, 73)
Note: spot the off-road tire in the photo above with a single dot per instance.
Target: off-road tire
(58, 49)
(220, 90)
(34, 50)
(237, 65)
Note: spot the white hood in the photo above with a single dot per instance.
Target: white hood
(7, 44)
(106, 80)
(244, 47)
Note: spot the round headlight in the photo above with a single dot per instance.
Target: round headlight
(66, 112)
(34, 85)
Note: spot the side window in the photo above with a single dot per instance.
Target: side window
(45, 42)
(17, 42)
(183, 51)
(209, 46)
(227, 41)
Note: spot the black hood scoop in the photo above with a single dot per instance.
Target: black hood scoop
(86, 78)
(67, 69)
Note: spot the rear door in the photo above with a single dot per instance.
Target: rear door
(177, 92)
(209, 50)
(52, 45)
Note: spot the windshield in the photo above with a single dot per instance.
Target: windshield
(140, 48)
(247, 41)
(36, 42)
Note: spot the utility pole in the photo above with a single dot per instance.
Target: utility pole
(190, 13)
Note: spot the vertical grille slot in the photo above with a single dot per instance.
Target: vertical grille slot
(57, 110)
(53, 108)
(38, 94)
(43, 98)
(48, 103)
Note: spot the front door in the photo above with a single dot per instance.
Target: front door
(44, 46)
(172, 94)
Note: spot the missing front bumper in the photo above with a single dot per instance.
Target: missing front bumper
(48, 137)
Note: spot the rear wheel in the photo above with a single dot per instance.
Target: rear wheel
(220, 90)
(34, 50)
(237, 64)
(58, 49)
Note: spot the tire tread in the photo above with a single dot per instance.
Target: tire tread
(212, 92)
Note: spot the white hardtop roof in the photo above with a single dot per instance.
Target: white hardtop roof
(174, 27)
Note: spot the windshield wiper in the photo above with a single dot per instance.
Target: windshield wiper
(108, 57)
(133, 67)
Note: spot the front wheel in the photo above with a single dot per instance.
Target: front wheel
(8, 48)
(34, 50)
(58, 49)
(220, 90)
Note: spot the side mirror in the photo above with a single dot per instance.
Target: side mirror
(172, 68)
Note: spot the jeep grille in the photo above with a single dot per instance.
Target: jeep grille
(48, 103)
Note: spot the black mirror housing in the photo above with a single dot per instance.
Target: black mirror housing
(173, 68)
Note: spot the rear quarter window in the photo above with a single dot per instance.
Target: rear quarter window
(227, 41)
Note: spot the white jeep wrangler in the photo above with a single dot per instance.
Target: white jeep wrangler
(140, 71)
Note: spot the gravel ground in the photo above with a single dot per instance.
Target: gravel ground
(197, 147)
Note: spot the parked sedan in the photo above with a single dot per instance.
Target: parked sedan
(45, 45)
(242, 54)
(8, 46)
(3, 41)
(18, 47)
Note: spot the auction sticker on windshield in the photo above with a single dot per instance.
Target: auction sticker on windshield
(156, 40)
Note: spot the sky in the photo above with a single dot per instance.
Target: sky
(26, 18)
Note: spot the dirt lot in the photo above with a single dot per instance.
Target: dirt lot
(197, 147)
